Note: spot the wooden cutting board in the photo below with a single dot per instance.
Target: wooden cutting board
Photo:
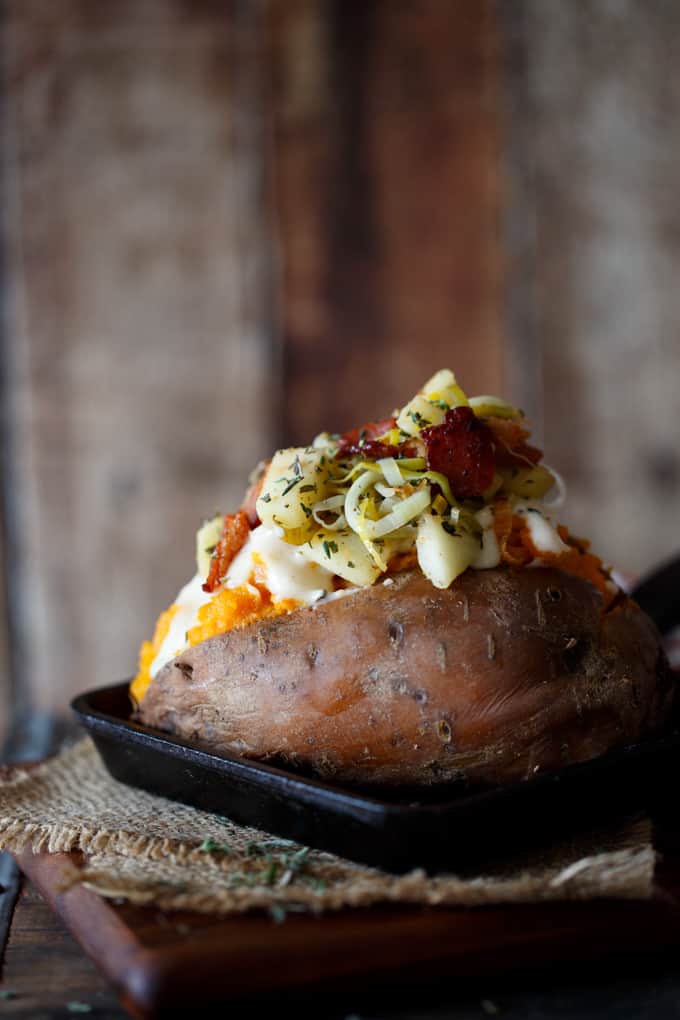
(158, 960)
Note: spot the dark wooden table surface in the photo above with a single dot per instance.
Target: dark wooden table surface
(46, 975)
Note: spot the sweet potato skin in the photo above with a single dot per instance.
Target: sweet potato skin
(508, 672)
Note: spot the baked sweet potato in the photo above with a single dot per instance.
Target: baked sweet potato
(505, 673)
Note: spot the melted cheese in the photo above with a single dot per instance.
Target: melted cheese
(288, 574)
(188, 602)
(280, 566)
(543, 533)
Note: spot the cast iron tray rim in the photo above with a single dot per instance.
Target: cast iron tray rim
(135, 733)
(354, 802)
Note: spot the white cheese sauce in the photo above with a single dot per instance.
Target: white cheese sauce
(289, 574)
(189, 600)
(541, 529)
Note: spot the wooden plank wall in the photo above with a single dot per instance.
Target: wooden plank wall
(228, 225)
(141, 349)
(388, 180)
(597, 110)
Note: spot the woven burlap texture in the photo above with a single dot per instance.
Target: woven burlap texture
(151, 850)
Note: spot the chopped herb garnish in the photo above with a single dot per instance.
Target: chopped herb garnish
(417, 418)
(266, 498)
(350, 564)
(305, 509)
(297, 469)
(329, 547)
(317, 884)
(209, 846)
(449, 528)
(277, 913)
(291, 485)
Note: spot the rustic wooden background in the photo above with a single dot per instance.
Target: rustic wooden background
(226, 225)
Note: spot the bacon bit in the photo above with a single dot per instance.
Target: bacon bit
(249, 504)
(234, 534)
(512, 533)
(364, 440)
(582, 544)
(510, 444)
(462, 449)
(517, 550)
(402, 561)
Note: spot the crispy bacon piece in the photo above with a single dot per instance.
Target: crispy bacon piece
(462, 449)
(249, 504)
(364, 440)
(234, 534)
(512, 449)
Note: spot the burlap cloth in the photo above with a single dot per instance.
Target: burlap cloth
(151, 850)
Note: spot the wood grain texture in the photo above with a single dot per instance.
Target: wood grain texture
(140, 360)
(45, 969)
(157, 960)
(387, 191)
(600, 120)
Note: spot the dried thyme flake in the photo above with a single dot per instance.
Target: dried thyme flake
(209, 846)
(291, 485)
(317, 885)
(270, 874)
(329, 547)
(277, 912)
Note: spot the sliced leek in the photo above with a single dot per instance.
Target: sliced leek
(494, 407)
(405, 510)
(528, 483)
(390, 470)
(444, 390)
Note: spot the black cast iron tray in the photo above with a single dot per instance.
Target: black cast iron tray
(445, 829)
(448, 830)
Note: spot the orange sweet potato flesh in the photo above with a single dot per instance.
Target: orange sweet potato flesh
(508, 672)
